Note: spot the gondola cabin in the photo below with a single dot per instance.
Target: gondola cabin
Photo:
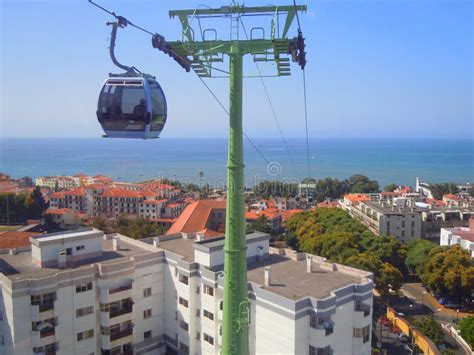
(132, 107)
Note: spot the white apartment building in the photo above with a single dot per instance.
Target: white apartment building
(84, 292)
(384, 219)
(53, 182)
(463, 236)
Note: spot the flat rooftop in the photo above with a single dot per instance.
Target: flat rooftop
(396, 210)
(290, 279)
(20, 266)
(180, 246)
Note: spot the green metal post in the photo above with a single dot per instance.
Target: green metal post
(235, 339)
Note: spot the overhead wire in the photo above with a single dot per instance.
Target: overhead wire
(305, 98)
(121, 18)
(275, 117)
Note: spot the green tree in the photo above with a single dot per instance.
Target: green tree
(449, 271)
(101, 223)
(418, 251)
(438, 190)
(333, 234)
(466, 326)
(390, 187)
(329, 188)
(430, 327)
(137, 228)
(18, 208)
(261, 224)
(275, 188)
(361, 184)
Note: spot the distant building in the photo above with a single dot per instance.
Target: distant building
(83, 292)
(401, 222)
(462, 236)
(437, 217)
(203, 217)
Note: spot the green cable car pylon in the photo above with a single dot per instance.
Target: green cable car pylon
(204, 55)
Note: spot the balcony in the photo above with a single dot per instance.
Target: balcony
(361, 307)
(46, 307)
(118, 312)
(47, 332)
(122, 334)
(120, 289)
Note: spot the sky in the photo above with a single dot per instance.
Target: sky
(386, 68)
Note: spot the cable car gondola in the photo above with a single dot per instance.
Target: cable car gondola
(132, 107)
(132, 104)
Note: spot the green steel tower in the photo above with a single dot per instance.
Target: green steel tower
(204, 55)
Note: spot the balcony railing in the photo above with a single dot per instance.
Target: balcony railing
(122, 334)
(120, 289)
(47, 332)
(118, 312)
(46, 307)
(363, 308)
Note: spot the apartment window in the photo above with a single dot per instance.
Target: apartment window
(198, 289)
(147, 313)
(183, 302)
(403, 234)
(183, 279)
(363, 333)
(81, 312)
(176, 315)
(198, 313)
(147, 292)
(403, 224)
(208, 315)
(85, 335)
(183, 325)
(208, 290)
(319, 351)
(80, 247)
(183, 348)
(84, 288)
(147, 334)
(208, 339)
(221, 305)
(198, 336)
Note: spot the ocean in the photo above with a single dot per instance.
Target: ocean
(385, 160)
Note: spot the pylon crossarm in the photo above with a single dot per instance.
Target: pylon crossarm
(227, 10)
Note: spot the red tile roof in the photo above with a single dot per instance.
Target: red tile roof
(451, 197)
(57, 195)
(288, 213)
(80, 175)
(13, 239)
(436, 202)
(116, 192)
(328, 204)
(154, 202)
(80, 191)
(357, 197)
(58, 211)
(195, 216)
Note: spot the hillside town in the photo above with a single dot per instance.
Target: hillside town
(182, 226)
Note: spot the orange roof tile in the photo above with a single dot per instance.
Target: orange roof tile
(328, 204)
(57, 195)
(116, 192)
(154, 202)
(80, 191)
(436, 202)
(195, 216)
(58, 211)
(451, 197)
(357, 197)
(288, 213)
(13, 239)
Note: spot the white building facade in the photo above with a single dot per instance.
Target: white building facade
(84, 292)
(462, 236)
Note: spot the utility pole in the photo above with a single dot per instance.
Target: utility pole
(204, 49)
